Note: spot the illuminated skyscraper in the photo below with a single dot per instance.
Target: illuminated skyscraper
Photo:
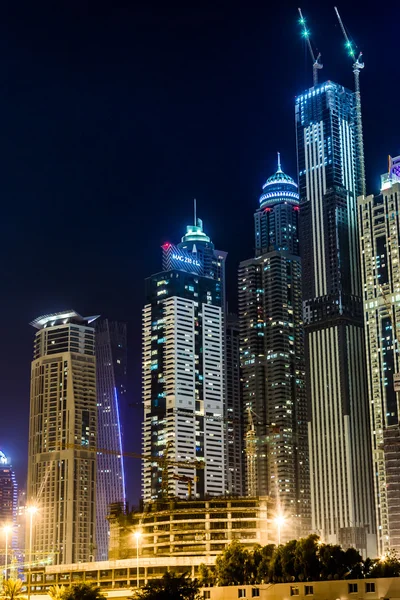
(8, 500)
(380, 241)
(63, 438)
(234, 409)
(339, 435)
(272, 357)
(183, 359)
(111, 389)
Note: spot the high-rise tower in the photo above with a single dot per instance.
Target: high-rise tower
(62, 438)
(8, 500)
(234, 409)
(111, 364)
(329, 182)
(379, 244)
(272, 356)
(183, 359)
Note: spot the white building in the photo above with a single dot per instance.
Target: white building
(62, 439)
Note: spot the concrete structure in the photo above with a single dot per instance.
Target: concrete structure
(272, 357)
(62, 438)
(191, 528)
(117, 578)
(330, 179)
(183, 370)
(379, 246)
(234, 410)
(111, 364)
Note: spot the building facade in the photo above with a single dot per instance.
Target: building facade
(338, 420)
(8, 502)
(272, 357)
(111, 373)
(183, 371)
(379, 247)
(63, 438)
(191, 527)
(234, 409)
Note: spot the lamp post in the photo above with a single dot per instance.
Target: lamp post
(279, 521)
(137, 535)
(32, 510)
(6, 529)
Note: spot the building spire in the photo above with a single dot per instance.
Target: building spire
(194, 208)
(279, 163)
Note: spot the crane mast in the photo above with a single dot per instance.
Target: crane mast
(306, 35)
(358, 64)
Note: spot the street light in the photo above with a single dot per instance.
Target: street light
(279, 521)
(6, 529)
(32, 510)
(137, 535)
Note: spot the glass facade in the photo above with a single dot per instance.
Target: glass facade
(111, 374)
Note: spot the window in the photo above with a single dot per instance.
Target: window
(294, 590)
(353, 588)
(255, 592)
(207, 594)
(309, 590)
(241, 593)
(370, 587)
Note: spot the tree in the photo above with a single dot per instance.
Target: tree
(307, 563)
(82, 591)
(12, 589)
(57, 592)
(206, 575)
(387, 566)
(170, 587)
(233, 566)
(262, 557)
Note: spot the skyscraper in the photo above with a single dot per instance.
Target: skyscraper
(379, 244)
(8, 500)
(272, 356)
(234, 409)
(111, 362)
(329, 182)
(183, 358)
(62, 438)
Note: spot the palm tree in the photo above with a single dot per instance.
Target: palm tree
(12, 589)
(83, 591)
(57, 592)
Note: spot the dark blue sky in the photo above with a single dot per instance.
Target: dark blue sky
(114, 115)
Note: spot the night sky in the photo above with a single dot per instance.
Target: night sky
(114, 115)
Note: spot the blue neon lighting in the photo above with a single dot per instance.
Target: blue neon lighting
(120, 445)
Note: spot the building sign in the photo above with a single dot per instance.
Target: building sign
(177, 258)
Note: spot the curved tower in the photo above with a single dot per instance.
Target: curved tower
(272, 357)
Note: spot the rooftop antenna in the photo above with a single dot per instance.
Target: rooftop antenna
(358, 64)
(279, 162)
(306, 35)
(194, 208)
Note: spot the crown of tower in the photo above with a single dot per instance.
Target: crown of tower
(279, 187)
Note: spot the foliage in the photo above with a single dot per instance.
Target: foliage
(56, 592)
(170, 587)
(234, 565)
(306, 559)
(206, 575)
(82, 591)
(12, 588)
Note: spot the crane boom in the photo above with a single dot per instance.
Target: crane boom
(358, 64)
(306, 35)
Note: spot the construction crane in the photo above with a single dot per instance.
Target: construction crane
(163, 462)
(306, 35)
(251, 454)
(186, 479)
(358, 64)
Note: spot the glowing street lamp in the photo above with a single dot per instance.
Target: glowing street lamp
(6, 529)
(279, 522)
(137, 535)
(31, 510)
